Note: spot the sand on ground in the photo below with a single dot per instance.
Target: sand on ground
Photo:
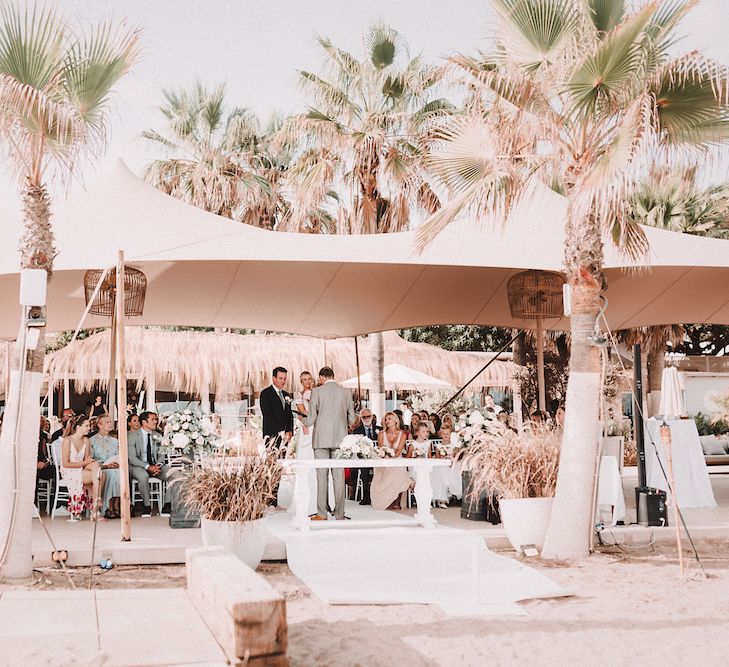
(631, 607)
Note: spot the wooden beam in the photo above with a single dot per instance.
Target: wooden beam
(121, 401)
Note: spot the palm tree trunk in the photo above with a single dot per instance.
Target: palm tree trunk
(19, 437)
(377, 366)
(568, 535)
(656, 360)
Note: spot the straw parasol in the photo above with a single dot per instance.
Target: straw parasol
(192, 362)
(398, 376)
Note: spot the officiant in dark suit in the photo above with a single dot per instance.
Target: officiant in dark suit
(275, 404)
(369, 429)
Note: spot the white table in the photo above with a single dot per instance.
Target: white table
(423, 488)
(693, 488)
(610, 488)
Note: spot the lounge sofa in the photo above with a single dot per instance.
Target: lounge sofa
(716, 449)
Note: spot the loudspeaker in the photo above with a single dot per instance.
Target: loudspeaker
(651, 506)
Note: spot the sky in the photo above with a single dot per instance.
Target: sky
(256, 47)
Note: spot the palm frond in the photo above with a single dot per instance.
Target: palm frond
(614, 64)
(382, 45)
(534, 32)
(692, 101)
(605, 14)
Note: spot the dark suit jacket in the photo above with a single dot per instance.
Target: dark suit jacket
(360, 430)
(276, 418)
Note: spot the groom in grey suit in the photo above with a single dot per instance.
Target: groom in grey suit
(331, 413)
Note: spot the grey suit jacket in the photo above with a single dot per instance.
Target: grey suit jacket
(136, 447)
(331, 413)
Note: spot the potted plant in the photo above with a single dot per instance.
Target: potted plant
(520, 469)
(233, 497)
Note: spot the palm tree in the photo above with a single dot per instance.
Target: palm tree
(674, 201)
(55, 85)
(582, 96)
(365, 134)
(211, 154)
(223, 162)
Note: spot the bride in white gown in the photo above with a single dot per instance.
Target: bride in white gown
(304, 449)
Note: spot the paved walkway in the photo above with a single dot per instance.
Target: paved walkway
(104, 627)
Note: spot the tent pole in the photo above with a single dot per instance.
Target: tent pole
(111, 387)
(540, 365)
(66, 393)
(121, 398)
(359, 386)
(7, 370)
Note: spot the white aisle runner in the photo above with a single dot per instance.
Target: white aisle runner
(446, 566)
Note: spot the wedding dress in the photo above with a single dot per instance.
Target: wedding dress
(304, 450)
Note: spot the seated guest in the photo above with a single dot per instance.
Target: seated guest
(388, 484)
(368, 428)
(105, 449)
(44, 469)
(414, 421)
(401, 418)
(437, 423)
(80, 472)
(448, 420)
(449, 442)
(66, 415)
(440, 476)
(133, 423)
(420, 446)
(143, 457)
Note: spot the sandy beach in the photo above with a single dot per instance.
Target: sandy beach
(630, 607)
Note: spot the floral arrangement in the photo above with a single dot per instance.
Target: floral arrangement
(430, 401)
(189, 434)
(356, 447)
(470, 428)
(385, 452)
(443, 451)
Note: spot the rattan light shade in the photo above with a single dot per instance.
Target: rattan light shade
(535, 294)
(135, 289)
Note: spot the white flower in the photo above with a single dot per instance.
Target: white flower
(194, 435)
(175, 427)
(180, 440)
(476, 418)
(186, 426)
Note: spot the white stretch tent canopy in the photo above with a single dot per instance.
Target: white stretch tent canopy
(205, 270)
(398, 376)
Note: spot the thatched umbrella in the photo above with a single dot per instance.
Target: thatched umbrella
(225, 363)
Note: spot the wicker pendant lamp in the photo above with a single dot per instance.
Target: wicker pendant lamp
(135, 289)
(534, 295)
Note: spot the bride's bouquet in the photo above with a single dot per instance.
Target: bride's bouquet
(356, 447)
(385, 452)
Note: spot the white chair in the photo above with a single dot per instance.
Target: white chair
(60, 490)
(156, 492)
(44, 493)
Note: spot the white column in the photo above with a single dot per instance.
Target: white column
(51, 402)
(66, 393)
(205, 399)
(151, 384)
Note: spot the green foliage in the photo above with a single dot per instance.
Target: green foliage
(460, 337)
(707, 426)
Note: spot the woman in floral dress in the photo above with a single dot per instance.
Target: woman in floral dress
(80, 471)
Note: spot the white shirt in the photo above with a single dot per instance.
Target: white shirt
(407, 415)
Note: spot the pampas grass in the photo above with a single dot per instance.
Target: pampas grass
(516, 465)
(236, 489)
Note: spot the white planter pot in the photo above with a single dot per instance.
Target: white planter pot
(526, 520)
(244, 539)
